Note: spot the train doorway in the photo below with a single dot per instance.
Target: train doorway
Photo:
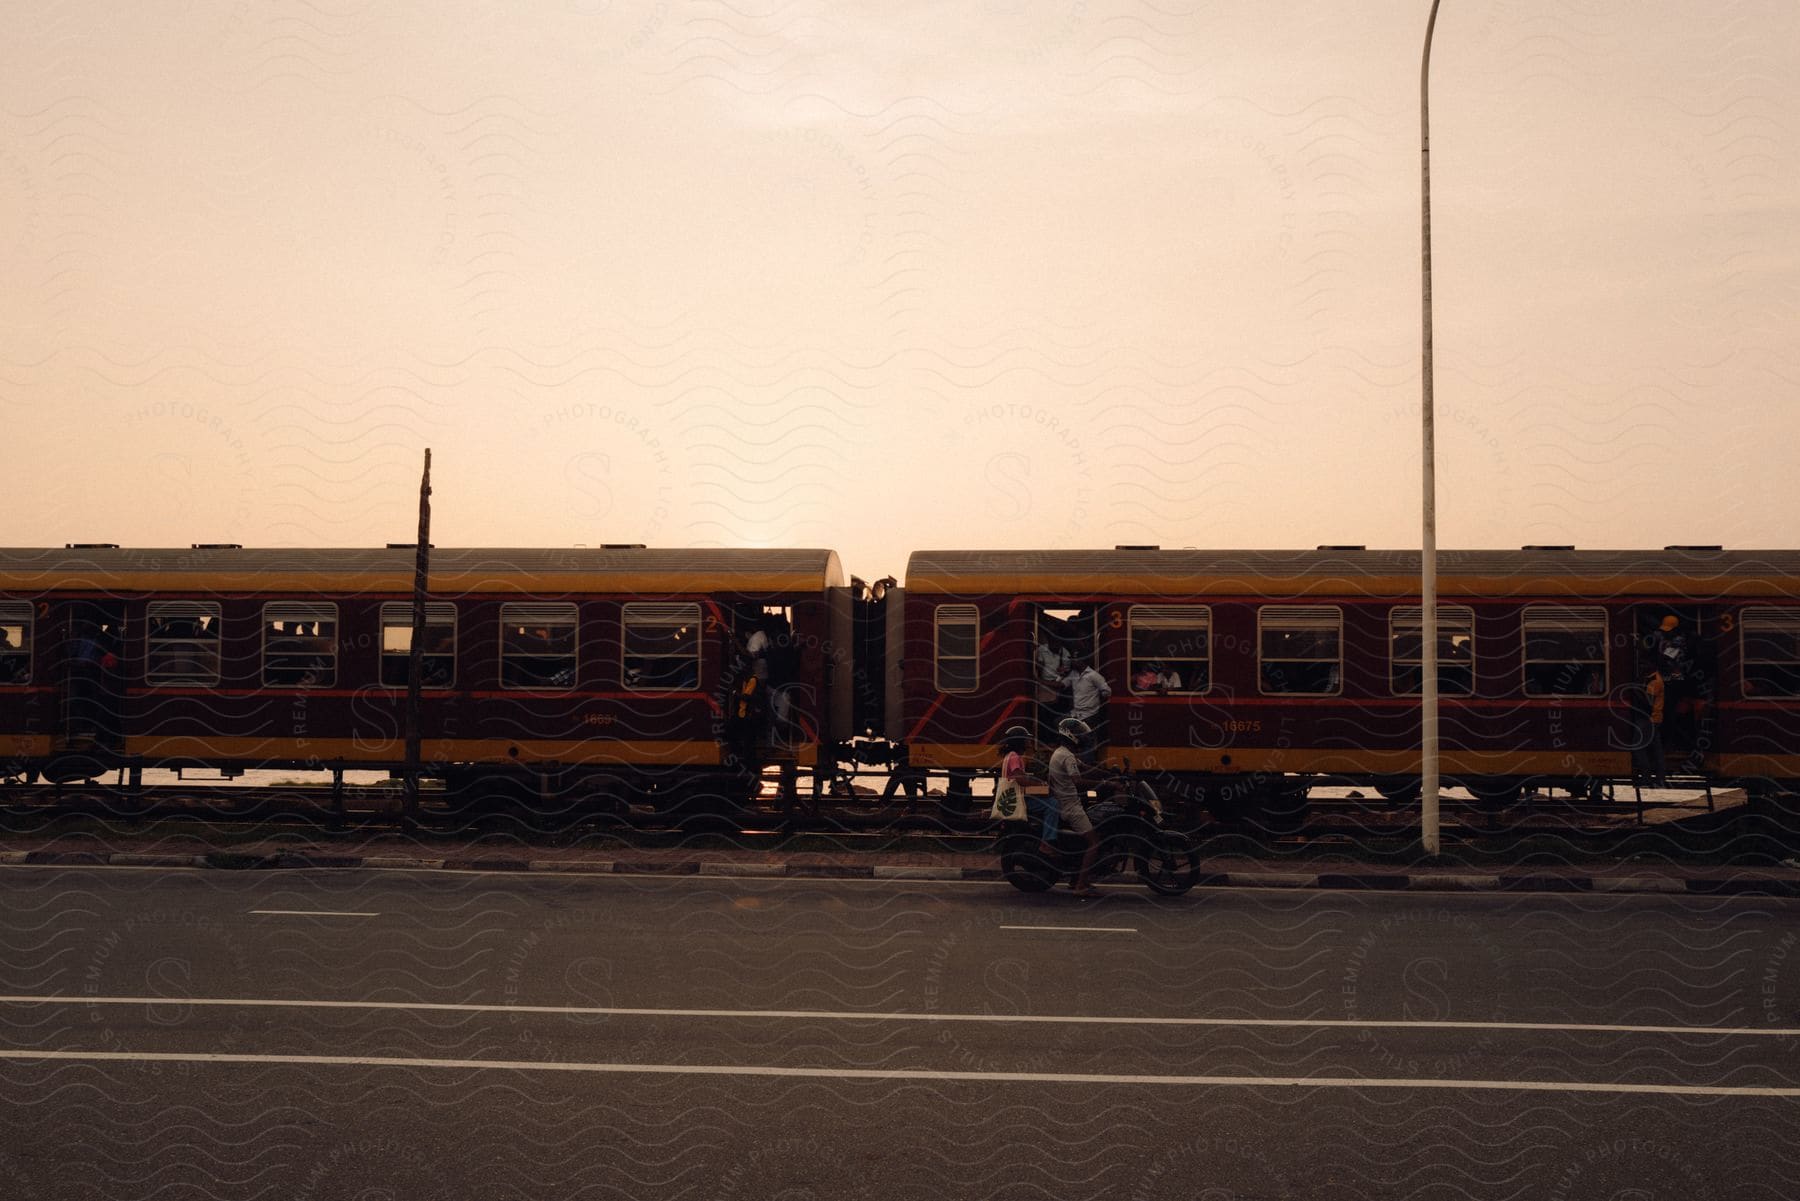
(90, 671)
(762, 663)
(1063, 637)
(1679, 643)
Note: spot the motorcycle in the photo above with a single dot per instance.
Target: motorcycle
(1132, 838)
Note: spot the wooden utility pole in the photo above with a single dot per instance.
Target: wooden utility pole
(416, 649)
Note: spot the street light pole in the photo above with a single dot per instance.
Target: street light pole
(416, 648)
(1428, 686)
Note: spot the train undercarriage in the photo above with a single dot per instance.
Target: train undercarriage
(862, 785)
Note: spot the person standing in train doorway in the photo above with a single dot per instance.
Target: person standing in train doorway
(747, 715)
(1647, 711)
(1089, 692)
(1673, 659)
(90, 683)
(1052, 664)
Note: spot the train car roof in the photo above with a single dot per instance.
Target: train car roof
(1354, 572)
(454, 571)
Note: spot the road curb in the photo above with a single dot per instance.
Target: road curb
(887, 872)
(626, 867)
(291, 859)
(1338, 881)
(742, 869)
(1271, 880)
(236, 861)
(830, 871)
(585, 867)
(1740, 887)
(1384, 881)
(487, 864)
(1638, 884)
(1539, 883)
(67, 858)
(156, 860)
(1438, 882)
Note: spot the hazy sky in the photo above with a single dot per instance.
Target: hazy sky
(881, 276)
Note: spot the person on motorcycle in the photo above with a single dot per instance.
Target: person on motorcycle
(1065, 790)
(1014, 741)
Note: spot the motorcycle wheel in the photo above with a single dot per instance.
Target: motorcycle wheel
(1028, 871)
(1170, 871)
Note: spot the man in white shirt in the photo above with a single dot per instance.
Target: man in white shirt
(1089, 691)
(756, 649)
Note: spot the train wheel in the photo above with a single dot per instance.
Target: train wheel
(595, 797)
(1399, 790)
(1494, 795)
(717, 804)
(1280, 811)
(476, 795)
(1230, 805)
(76, 767)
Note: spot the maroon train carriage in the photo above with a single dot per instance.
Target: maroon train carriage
(1285, 669)
(596, 673)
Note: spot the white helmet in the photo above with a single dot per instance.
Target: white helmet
(1073, 730)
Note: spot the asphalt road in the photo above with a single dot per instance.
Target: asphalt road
(371, 1035)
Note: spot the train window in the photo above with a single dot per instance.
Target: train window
(1565, 650)
(15, 642)
(537, 646)
(299, 644)
(181, 643)
(958, 643)
(662, 647)
(1301, 649)
(1170, 648)
(437, 665)
(1771, 651)
(1456, 650)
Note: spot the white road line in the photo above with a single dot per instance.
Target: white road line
(1080, 929)
(313, 913)
(852, 1015)
(682, 1069)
